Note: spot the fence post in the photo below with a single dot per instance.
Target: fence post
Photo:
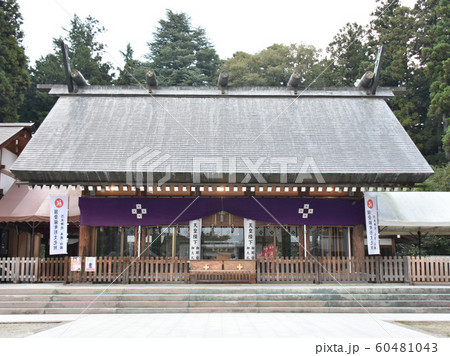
(377, 269)
(66, 270)
(126, 268)
(318, 266)
(16, 270)
(407, 269)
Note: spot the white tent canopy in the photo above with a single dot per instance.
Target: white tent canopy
(409, 212)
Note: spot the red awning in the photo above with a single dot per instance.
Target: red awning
(22, 204)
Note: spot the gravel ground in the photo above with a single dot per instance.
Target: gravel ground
(17, 330)
(438, 328)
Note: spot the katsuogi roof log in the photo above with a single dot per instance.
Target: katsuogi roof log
(78, 78)
(150, 78)
(223, 78)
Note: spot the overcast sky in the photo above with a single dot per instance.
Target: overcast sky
(231, 26)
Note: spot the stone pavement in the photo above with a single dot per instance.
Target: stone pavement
(229, 325)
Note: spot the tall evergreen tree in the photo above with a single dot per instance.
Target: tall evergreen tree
(133, 71)
(349, 56)
(182, 55)
(85, 54)
(435, 56)
(400, 30)
(14, 79)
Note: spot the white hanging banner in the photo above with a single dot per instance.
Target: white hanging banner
(249, 238)
(195, 237)
(58, 224)
(371, 209)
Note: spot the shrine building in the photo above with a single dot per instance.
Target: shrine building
(151, 163)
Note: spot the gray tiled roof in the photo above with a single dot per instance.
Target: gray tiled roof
(98, 135)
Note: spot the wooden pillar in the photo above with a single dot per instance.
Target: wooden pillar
(358, 241)
(174, 242)
(84, 247)
(394, 246)
(136, 241)
(37, 245)
(305, 228)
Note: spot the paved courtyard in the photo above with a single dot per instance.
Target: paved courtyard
(229, 325)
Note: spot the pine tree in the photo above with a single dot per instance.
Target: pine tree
(435, 55)
(349, 56)
(182, 55)
(402, 31)
(14, 79)
(133, 72)
(85, 54)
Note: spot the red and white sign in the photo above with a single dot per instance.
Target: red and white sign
(371, 210)
(58, 224)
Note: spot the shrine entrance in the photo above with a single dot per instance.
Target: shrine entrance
(222, 242)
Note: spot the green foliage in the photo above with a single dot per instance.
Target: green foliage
(14, 79)
(409, 36)
(437, 53)
(348, 53)
(274, 65)
(440, 180)
(133, 72)
(85, 54)
(430, 246)
(182, 55)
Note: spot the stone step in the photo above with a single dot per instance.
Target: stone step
(222, 304)
(74, 299)
(220, 297)
(77, 311)
(194, 289)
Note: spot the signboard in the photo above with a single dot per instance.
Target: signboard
(195, 237)
(90, 264)
(75, 264)
(58, 224)
(371, 210)
(249, 239)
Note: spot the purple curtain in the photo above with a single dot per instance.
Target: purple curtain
(166, 211)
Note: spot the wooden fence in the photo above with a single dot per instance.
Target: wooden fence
(413, 270)
(19, 269)
(342, 269)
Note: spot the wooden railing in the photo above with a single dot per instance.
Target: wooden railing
(434, 269)
(19, 269)
(133, 270)
(413, 270)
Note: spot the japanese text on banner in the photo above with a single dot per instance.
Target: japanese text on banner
(249, 234)
(195, 233)
(58, 224)
(371, 210)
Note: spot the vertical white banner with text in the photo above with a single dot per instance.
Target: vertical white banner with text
(59, 208)
(249, 238)
(195, 238)
(371, 210)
